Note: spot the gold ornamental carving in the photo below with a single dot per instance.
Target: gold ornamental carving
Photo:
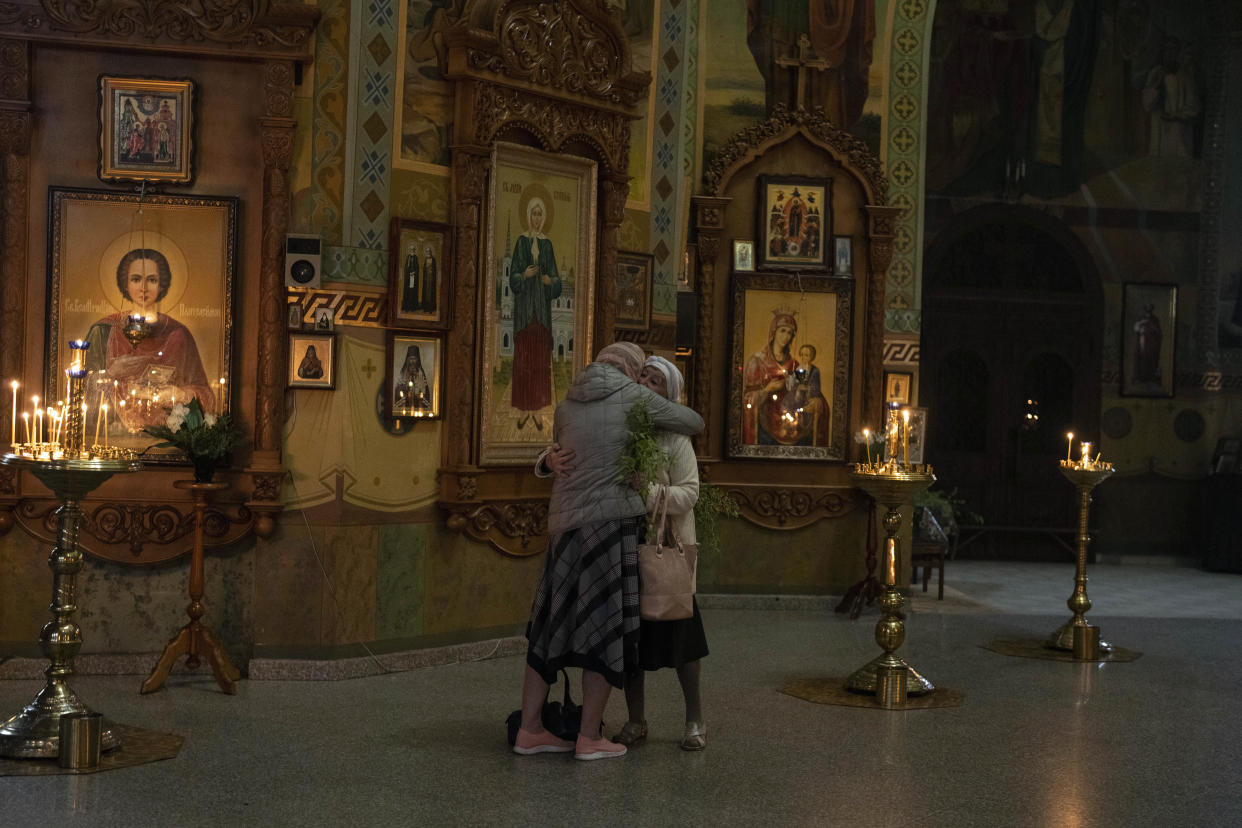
(253, 23)
(754, 140)
(135, 533)
(780, 507)
(551, 122)
(555, 45)
(571, 48)
(513, 527)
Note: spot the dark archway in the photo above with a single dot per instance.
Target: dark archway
(1011, 362)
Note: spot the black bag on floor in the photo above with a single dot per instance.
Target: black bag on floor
(563, 719)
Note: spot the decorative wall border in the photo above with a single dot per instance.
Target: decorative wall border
(674, 42)
(359, 308)
(371, 122)
(907, 116)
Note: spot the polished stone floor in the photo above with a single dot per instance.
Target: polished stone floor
(1036, 743)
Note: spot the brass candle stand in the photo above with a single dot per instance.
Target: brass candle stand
(1085, 476)
(35, 731)
(892, 485)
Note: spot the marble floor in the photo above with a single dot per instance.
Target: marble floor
(1152, 742)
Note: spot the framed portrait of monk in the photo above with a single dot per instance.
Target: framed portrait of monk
(419, 290)
(147, 282)
(791, 398)
(538, 291)
(794, 218)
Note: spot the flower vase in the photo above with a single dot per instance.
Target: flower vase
(204, 469)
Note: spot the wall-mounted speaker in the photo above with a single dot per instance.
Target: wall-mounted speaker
(687, 321)
(302, 261)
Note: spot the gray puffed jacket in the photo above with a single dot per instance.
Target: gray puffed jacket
(591, 422)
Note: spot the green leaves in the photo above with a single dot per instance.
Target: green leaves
(643, 458)
(197, 433)
(712, 503)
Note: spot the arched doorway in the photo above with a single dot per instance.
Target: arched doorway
(1010, 362)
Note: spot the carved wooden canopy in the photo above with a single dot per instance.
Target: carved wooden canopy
(260, 29)
(146, 521)
(775, 495)
(555, 75)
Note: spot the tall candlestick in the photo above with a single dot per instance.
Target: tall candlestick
(36, 417)
(38, 425)
(98, 418)
(867, 442)
(1069, 447)
(220, 398)
(104, 408)
(26, 423)
(13, 439)
(1086, 455)
(905, 436)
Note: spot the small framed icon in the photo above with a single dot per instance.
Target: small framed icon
(325, 319)
(743, 256)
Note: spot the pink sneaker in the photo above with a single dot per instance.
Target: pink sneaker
(528, 743)
(590, 749)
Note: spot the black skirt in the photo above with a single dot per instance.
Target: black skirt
(671, 643)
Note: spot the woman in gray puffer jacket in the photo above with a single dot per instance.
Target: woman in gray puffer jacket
(585, 612)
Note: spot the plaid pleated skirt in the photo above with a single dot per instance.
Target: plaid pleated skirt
(585, 612)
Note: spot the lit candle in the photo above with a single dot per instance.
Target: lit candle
(38, 425)
(98, 419)
(104, 408)
(905, 436)
(867, 442)
(1086, 455)
(13, 439)
(1069, 447)
(26, 423)
(220, 398)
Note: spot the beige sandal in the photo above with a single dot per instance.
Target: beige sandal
(633, 733)
(696, 736)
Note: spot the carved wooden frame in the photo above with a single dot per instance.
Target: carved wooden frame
(269, 35)
(765, 497)
(554, 75)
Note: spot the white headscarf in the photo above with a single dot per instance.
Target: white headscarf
(672, 376)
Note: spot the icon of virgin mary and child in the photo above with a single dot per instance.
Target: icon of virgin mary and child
(782, 398)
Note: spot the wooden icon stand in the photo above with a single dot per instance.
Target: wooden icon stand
(194, 640)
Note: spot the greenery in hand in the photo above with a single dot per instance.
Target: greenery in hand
(712, 503)
(197, 433)
(643, 459)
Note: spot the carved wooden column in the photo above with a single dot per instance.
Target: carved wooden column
(470, 166)
(709, 220)
(881, 224)
(614, 187)
(276, 134)
(15, 196)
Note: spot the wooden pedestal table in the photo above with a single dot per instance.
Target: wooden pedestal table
(194, 640)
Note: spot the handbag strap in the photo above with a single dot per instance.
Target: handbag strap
(662, 507)
(567, 700)
(664, 521)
